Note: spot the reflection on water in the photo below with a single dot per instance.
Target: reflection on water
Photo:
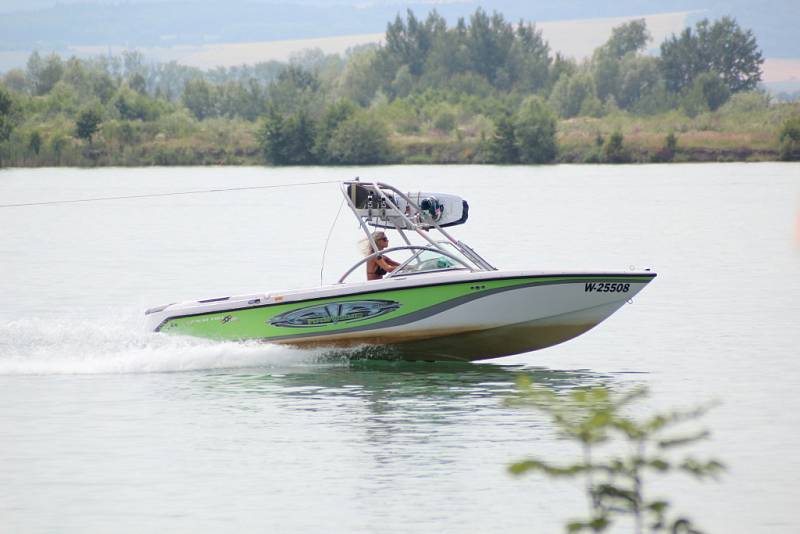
(390, 391)
(382, 380)
(397, 415)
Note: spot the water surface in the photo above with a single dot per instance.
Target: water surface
(105, 427)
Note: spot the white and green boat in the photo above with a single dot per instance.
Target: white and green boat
(443, 302)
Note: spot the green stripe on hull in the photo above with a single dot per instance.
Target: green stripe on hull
(363, 311)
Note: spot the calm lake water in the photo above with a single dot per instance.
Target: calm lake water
(107, 428)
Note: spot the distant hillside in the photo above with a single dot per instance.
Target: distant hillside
(148, 23)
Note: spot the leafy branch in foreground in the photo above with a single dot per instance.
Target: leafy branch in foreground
(615, 482)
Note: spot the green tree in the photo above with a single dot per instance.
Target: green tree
(133, 63)
(361, 139)
(6, 120)
(16, 80)
(287, 140)
(45, 73)
(722, 47)
(671, 143)
(614, 149)
(77, 75)
(489, 41)
(617, 69)
(409, 41)
(361, 78)
(426, 54)
(87, 124)
(668, 151)
(300, 78)
(448, 57)
(299, 131)
(530, 59)
(103, 86)
(138, 83)
(272, 138)
(790, 139)
(748, 102)
(6, 105)
(332, 117)
(561, 66)
(35, 142)
(503, 144)
(444, 119)
(294, 90)
(200, 98)
(628, 38)
(606, 72)
(403, 83)
(639, 79)
(570, 92)
(535, 131)
(707, 93)
(469, 83)
(132, 105)
(242, 99)
(616, 481)
(33, 70)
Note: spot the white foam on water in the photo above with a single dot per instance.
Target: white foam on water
(114, 344)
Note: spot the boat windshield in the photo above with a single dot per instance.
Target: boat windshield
(428, 260)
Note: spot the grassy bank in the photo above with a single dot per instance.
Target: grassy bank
(733, 133)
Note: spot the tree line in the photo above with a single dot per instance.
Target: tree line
(494, 86)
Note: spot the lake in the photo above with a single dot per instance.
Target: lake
(107, 428)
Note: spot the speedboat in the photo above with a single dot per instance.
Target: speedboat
(442, 302)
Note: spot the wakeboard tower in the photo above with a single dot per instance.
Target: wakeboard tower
(443, 302)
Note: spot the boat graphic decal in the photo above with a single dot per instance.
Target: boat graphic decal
(334, 313)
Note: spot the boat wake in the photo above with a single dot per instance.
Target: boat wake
(104, 346)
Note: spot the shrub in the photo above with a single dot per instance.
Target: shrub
(570, 93)
(535, 131)
(502, 148)
(287, 140)
(35, 142)
(87, 124)
(445, 120)
(332, 117)
(361, 139)
(614, 149)
(617, 478)
(708, 92)
(790, 139)
(667, 152)
(6, 107)
(749, 102)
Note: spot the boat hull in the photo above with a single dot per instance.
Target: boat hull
(484, 343)
(461, 316)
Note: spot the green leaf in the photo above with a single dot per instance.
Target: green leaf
(616, 492)
(660, 464)
(683, 525)
(684, 440)
(702, 469)
(520, 468)
(576, 526)
(598, 524)
(658, 507)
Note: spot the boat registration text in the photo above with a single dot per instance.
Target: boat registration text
(607, 287)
